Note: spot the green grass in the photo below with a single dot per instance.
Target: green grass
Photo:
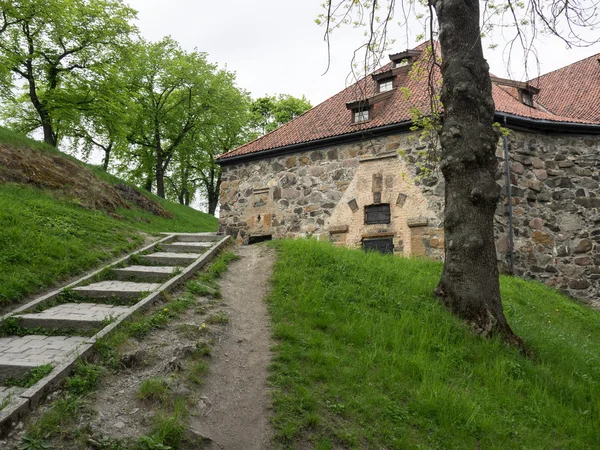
(30, 378)
(155, 390)
(367, 358)
(45, 239)
(197, 372)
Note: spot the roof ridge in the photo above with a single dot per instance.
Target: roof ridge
(564, 67)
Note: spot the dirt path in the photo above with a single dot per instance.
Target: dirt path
(235, 409)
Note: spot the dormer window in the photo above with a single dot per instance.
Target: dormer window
(402, 62)
(404, 59)
(361, 115)
(526, 97)
(386, 84)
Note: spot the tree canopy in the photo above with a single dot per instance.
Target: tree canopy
(53, 57)
(270, 112)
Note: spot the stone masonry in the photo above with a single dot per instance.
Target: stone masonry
(322, 193)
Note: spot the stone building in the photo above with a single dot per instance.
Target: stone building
(351, 171)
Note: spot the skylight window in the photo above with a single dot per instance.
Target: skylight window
(386, 85)
(361, 115)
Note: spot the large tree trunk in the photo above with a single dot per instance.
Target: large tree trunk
(469, 286)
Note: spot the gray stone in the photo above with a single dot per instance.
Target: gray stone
(583, 246)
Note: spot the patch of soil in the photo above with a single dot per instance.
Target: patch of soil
(49, 171)
(120, 413)
(70, 179)
(236, 386)
(143, 202)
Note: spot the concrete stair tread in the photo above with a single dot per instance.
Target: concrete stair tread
(13, 391)
(198, 237)
(141, 273)
(20, 354)
(80, 312)
(114, 288)
(190, 245)
(148, 269)
(171, 258)
(187, 247)
(176, 255)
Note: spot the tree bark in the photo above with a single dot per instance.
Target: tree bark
(212, 191)
(469, 285)
(160, 176)
(107, 151)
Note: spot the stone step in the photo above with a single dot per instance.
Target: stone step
(187, 247)
(75, 316)
(145, 272)
(7, 393)
(113, 288)
(198, 237)
(18, 355)
(171, 259)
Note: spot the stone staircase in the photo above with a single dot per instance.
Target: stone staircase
(88, 309)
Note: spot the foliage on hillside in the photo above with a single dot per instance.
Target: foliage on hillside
(368, 358)
(55, 222)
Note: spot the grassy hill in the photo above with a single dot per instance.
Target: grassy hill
(60, 217)
(366, 357)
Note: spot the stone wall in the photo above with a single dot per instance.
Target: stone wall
(322, 193)
(556, 211)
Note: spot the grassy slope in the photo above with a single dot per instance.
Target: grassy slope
(367, 358)
(44, 239)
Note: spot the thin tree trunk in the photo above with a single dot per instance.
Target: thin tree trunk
(213, 192)
(160, 176)
(469, 285)
(107, 151)
(149, 183)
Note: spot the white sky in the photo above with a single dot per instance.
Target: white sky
(275, 46)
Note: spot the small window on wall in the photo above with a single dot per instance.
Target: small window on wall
(386, 85)
(361, 115)
(377, 214)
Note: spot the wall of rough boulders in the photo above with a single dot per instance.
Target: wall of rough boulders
(556, 202)
(556, 211)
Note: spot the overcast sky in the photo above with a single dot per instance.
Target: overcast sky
(275, 46)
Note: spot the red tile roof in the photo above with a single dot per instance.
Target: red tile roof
(332, 118)
(573, 91)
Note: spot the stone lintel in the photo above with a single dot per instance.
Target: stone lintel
(338, 229)
(417, 222)
(377, 235)
(385, 155)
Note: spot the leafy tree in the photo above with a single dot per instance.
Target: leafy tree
(271, 112)
(101, 124)
(225, 129)
(171, 93)
(52, 49)
(469, 285)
